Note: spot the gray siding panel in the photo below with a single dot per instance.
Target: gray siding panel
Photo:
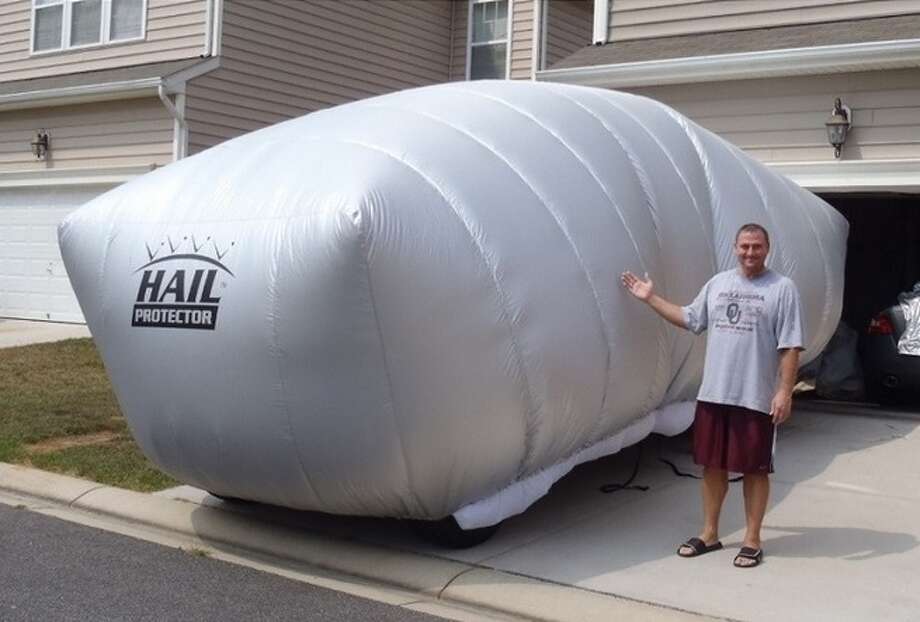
(782, 120)
(522, 39)
(286, 58)
(641, 19)
(569, 26)
(116, 133)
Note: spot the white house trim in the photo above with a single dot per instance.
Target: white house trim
(601, 21)
(768, 63)
(82, 93)
(72, 176)
(508, 35)
(123, 89)
(854, 176)
(536, 36)
(177, 111)
(175, 82)
(217, 32)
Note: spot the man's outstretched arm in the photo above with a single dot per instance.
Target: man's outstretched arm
(644, 290)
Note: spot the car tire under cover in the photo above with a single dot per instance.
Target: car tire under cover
(447, 533)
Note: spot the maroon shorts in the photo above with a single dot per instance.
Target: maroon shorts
(733, 438)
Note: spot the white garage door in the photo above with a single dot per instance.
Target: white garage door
(33, 281)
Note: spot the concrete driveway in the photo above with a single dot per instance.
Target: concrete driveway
(841, 536)
(24, 332)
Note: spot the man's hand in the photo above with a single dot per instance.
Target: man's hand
(781, 407)
(642, 290)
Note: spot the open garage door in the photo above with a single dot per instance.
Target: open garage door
(33, 281)
(883, 252)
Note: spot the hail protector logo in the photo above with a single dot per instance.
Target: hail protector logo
(178, 288)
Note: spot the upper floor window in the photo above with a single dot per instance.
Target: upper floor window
(67, 24)
(488, 54)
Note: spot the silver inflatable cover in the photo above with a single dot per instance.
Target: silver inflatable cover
(409, 305)
(909, 343)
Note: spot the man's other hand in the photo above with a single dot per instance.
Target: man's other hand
(781, 407)
(641, 289)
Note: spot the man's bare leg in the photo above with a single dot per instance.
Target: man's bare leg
(714, 487)
(756, 496)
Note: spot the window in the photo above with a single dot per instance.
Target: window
(66, 24)
(488, 54)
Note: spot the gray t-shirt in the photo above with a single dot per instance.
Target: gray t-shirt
(749, 321)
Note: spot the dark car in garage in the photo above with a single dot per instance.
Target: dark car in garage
(891, 377)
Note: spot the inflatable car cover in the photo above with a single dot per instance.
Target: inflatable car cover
(409, 305)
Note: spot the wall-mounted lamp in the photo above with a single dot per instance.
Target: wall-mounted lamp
(838, 124)
(41, 145)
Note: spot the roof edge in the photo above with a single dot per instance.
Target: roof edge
(72, 176)
(900, 175)
(102, 91)
(744, 65)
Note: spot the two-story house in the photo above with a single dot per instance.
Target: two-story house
(95, 92)
(765, 75)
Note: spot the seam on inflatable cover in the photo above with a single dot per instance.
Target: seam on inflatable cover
(410, 488)
(707, 232)
(825, 265)
(492, 269)
(650, 202)
(276, 348)
(543, 201)
(661, 336)
(824, 207)
(690, 132)
(616, 208)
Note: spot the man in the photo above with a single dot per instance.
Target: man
(752, 356)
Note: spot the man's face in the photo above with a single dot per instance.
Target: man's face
(751, 249)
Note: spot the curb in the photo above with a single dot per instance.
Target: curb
(439, 578)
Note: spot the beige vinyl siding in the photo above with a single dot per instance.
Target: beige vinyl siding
(131, 132)
(782, 120)
(522, 39)
(175, 30)
(285, 58)
(641, 19)
(569, 26)
(460, 24)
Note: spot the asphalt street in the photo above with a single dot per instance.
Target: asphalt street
(56, 570)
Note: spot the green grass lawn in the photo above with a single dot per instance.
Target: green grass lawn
(53, 396)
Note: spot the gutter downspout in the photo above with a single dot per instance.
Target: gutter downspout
(217, 34)
(537, 35)
(180, 129)
(450, 50)
(601, 21)
(208, 29)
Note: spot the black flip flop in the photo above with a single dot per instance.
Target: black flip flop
(698, 547)
(747, 552)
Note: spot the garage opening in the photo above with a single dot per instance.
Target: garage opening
(883, 252)
(883, 260)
